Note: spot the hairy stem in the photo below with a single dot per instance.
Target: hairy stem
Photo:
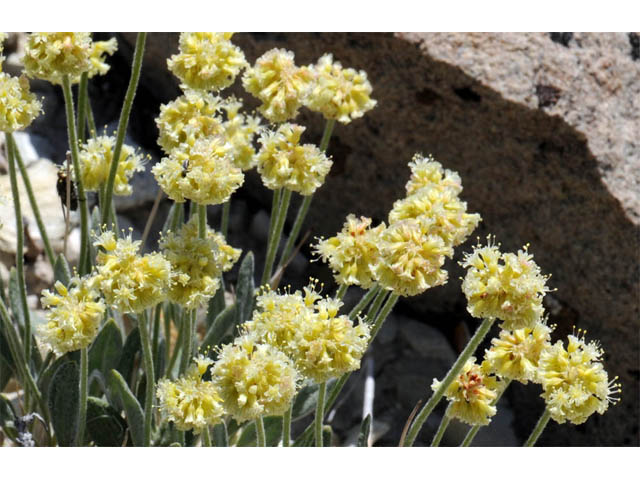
(261, 439)
(539, 428)
(274, 237)
(147, 360)
(474, 430)
(82, 106)
(82, 415)
(224, 222)
(286, 426)
(320, 413)
(444, 423)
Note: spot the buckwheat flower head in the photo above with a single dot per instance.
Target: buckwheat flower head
(574, 382)
(203, 173)
(410, 260)
(514, 355)
(284, 163)
(207, 60)
(128, 281)
(187, 118)
(341, 94)
(97, 57)
(190, 402)
(52, 55)
(95, 162)
(471, 394)
(426, 171)
(278, 83)
(73, 315)
(196, 263)
(353, 252)
(240, 130)
(254, 379)
(506, 286)
(18, 106)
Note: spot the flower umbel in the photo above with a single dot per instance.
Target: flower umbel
(190, 402)
(506, 286)
(284, 163)
(471, 395)
(74, 315)
(574, 380)
(18, 106)
(97, 57)
(130, 282)
(278, 83)
(203, 173)
(207, 61)
(353, 253)
(254, 379)
(341, 94)
(52, 55)
(239, 130)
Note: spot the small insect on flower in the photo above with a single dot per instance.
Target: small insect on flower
(64, 185)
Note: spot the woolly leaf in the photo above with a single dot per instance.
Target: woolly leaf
(64, 402)
(105, 426)
(133, 410)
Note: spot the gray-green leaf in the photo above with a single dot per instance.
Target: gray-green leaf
(245, 290)
(64, 398)
(105, 426)
(133, 410)
(61, 271)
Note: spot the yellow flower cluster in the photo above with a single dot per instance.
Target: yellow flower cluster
(187, 118)
(128, 281)
(574, 381)
(190, 402)
(353, 252)
(284, 163)
(52, 55)
(515, 354)
(203, 173)
(18, 106)
(95, 162)
(74, 315)
(278, 83)
(196, 263)
(207, 61)
(307, 327)
(506, 286)
(471, 395)
(239, 130)
(97, 57)
(341, 94)
(254, 379)
(410, 260)
(432, 194)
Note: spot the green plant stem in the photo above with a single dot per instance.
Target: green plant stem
(474, 430)
(274, 238)
(444, 423)
(306, 201)
(22, 287)
(471, 347)
(392, 299)
(341, 291)
(206, 437)
(364, 301)
(48, 250)
(82, 198)
(539, 428)
(147, 360)
(202, 221)
(156, 329)
(261, 439)
(93, 131)
(320, 413)
(187, 340)
(375, 306)
(82, 415)
(82, 106)
(177, 348)
(123, 122)
(224, 222)
(286, 426)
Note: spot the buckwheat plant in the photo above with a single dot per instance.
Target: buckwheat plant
(151, 347)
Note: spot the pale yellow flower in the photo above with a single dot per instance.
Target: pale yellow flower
(278, 83)
(425, 172)
(284, 163)
(196, 263)
(240, 130)
(353, 252)
(470, 395)
(190, 402)
(18, 106)
(574, 380)
(341, 94)
(129, 282)
(506, 286)
(514, 355)
(203, 173)
(254, 379)
(188, 118)
(207, 60)
(410, 261)
(97, 57)
(52, 55)
(95, 162)
(73, 315)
